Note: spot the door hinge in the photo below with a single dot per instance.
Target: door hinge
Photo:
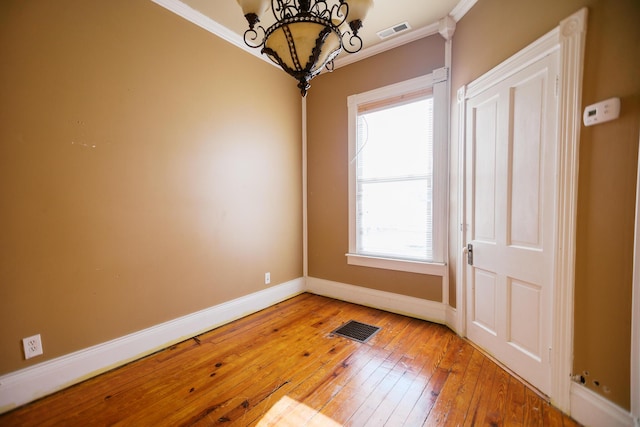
(470, 254)
(557, 85)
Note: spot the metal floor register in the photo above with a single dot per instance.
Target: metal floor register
(357, 331)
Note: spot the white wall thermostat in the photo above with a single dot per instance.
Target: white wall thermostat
(601, 112)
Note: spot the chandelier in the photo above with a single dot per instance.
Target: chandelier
(307, 34)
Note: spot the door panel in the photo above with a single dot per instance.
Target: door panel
(524, 306)
(511, 181)
(486, 123)
(526, 149)
(485, 300)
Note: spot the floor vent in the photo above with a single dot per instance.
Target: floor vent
(357, 331)
(392, 31)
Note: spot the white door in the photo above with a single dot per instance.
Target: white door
(511, 170)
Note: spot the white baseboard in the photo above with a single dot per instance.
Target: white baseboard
(451, 319)
(23, 386)
(593, 410)
(388, 301)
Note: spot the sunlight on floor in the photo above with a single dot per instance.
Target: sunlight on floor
(289, 412)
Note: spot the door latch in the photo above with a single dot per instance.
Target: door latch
(470, 254)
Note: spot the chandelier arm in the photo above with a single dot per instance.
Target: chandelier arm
(329, 66)
(255, 37)
(351, 43)
(321, 9)
(339, 13)
(283, 9)
(317, 8)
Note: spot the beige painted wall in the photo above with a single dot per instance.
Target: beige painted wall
(492, 31)
(133, 189)
(328, 165)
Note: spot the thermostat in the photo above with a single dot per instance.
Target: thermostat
(601, 112)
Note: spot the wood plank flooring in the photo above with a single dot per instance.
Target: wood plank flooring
(282, 367)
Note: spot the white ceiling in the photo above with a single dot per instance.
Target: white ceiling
(224, 18)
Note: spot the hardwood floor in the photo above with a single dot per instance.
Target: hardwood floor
(281, 366)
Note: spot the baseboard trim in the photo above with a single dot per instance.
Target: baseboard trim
(388, 301)
(593, 410)
(26, 385)
(451, 319)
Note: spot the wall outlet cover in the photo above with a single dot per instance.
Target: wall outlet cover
(32, 346)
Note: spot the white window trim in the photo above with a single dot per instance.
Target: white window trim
(437, 80)
(432, 268)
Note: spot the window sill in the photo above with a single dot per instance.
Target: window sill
(432, 268)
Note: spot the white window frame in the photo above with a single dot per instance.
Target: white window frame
(437, 82)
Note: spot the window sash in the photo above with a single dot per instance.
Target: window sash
(403, 228)
(394, 170)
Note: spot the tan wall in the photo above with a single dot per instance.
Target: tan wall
(328, 165)
(492, 31)
(133, 187)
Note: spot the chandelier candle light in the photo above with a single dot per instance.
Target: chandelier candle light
(307, 34)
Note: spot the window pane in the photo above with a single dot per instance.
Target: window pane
(394, 219)
(396, 141)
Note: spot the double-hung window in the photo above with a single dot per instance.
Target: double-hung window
(397, 176)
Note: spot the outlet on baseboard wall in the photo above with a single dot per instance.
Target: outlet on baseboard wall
(32, 346)
(267, 278)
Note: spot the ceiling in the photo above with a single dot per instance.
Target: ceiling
(224, 18)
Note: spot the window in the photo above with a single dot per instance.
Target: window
(397, 176)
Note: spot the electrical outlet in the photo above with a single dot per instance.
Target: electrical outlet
(267, 278)
(32, 346)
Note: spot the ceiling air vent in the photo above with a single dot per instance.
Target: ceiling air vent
(398, 28)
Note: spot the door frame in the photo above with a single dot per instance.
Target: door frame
(569, 38)
(635, 313)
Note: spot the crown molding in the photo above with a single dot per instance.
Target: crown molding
(206, 23)
(392, 43)
(462, 8)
